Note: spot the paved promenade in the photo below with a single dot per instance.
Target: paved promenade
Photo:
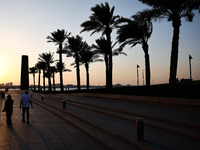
(46, 131)
(166, 127)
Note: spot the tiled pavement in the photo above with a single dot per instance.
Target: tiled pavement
(48, 131)
(45, 131)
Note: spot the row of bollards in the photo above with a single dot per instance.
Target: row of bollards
(139, 121)
(19, 92)
(139, 124)
(64, 102)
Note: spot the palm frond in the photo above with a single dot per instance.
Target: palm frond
(67, 70)
(101, 19)
(58, 37)
(33, 70)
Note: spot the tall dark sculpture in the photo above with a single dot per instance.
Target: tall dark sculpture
(24, 73)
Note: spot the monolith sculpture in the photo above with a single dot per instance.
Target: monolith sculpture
(24, 73)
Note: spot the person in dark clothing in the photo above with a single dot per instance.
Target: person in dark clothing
(8, 107)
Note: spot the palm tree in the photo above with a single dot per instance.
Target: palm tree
(48, 59)
(44, 67)
(173, 10)
(137, 30)
(33, 70)
(59, 37)
(102, 49)
(53, 71)
(102, 20)
(75, 45)
(88, 56)
(40, 66)
(62, 67)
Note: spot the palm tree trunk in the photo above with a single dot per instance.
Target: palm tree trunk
(107, 71)
(39, 81)
(87, 76)
(110, 71)
(147, 64)
(110, 58)
(60, 61)
(49, 77)
(54, 86)
(44, 79)
(174, 53)
(34, 80)
(78, 72)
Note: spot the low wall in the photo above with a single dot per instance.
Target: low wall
(160, 100)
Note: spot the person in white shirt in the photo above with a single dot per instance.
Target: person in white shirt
(25, 100)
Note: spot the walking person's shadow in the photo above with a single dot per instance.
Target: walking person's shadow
(20, 142)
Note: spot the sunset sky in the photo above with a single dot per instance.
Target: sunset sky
(24, 26)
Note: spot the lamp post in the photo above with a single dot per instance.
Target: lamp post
(190, 57)
(137, 75)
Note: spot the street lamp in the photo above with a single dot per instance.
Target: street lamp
(137, 75)
(190, 57)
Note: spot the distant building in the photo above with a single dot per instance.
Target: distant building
(9, 84)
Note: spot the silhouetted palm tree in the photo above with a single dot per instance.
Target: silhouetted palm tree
(75, 45)
(173, 10)
(53, 71)
(48, 59)
(33, 70)
(61, 67)
(102, 48)
(40, 66)
(102, 20)
(88, 56)
(137, 30)
(59, 37)
(44, 69)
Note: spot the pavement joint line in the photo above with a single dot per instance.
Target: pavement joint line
(137, 114)
(103, 129)
(79, 127)
(167, 129)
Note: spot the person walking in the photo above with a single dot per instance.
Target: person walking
(25, 100)
(8, 107)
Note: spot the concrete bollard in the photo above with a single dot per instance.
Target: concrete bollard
(64, 104)
(42, 98)
(139, 129)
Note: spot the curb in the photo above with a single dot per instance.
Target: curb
(158, 100)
